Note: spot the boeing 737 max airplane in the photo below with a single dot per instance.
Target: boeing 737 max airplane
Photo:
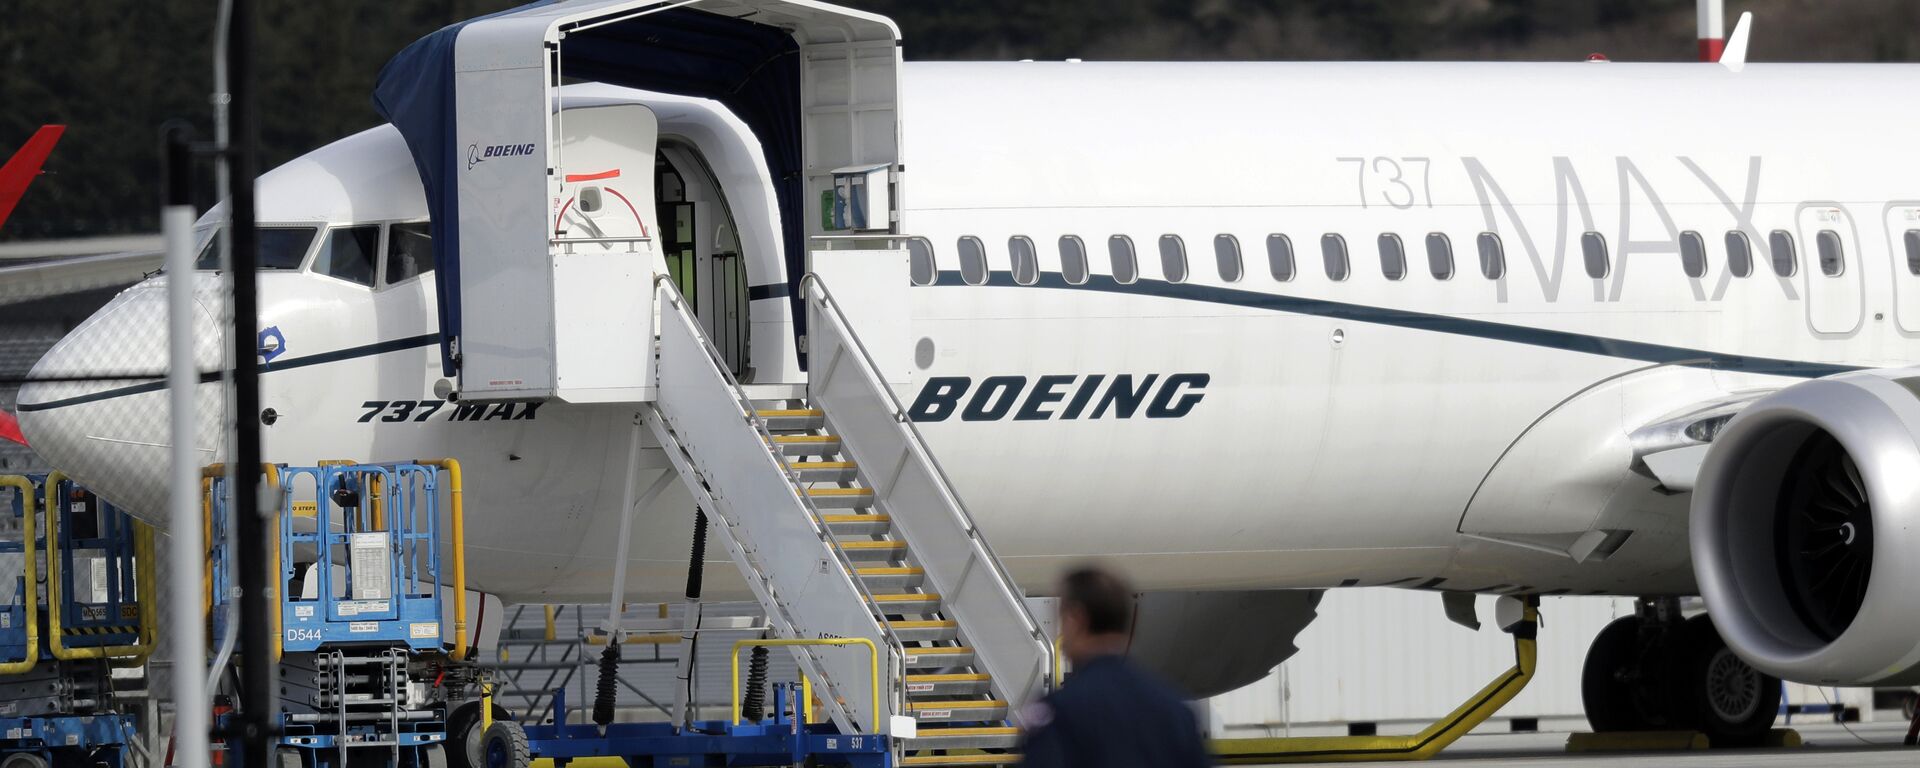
(1517, 329)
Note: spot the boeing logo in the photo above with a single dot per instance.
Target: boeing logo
(477, 154)
(1062, 397)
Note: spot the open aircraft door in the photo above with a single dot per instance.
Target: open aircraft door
(1831, 268)
(1903, 241)
(501, 147)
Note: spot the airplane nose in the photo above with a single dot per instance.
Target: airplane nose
(96, 405)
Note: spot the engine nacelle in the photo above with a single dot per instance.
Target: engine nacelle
(1806, 530)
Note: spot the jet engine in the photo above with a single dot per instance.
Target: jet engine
(1805, 527)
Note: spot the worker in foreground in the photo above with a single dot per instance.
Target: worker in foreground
(1110, 714)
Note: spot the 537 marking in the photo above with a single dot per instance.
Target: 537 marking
(1393, 180)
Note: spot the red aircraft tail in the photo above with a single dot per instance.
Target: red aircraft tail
(24, 166)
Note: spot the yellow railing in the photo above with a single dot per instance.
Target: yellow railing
(30, 599)
(806, 696)
(459, 521)
(144, 588)
(207, 476)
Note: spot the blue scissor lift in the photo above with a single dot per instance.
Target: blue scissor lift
(62, 631)
(359, 589)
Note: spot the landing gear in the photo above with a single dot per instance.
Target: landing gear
(1659, 672)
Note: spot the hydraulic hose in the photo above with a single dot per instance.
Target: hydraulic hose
(689, 635)
(606, 688)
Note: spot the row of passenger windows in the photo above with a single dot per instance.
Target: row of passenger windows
(1025, 257)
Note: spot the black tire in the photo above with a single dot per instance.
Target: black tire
(23, 760)
(1614, 680)
(465, 740)
(1718, 693)
(506, 746)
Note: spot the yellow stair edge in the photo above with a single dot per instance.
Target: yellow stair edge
(822, 465)
(906, 597)
(998, 730)
(856, 518)
(789, 413)
(839, 491)
(889, 570)
(960, 760)
(916, 706)
(952, 677)
(873, 545)
(806, 438)
(926, 624)
(944, 650)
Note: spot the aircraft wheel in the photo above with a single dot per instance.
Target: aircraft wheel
(506, 746)
(1719, 694)
(1623, 684)
(466, 741)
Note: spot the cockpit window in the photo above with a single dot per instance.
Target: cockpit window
(280, 248)
(409, 251)
(349, 254)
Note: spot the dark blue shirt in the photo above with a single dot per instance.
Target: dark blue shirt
(1112, 715)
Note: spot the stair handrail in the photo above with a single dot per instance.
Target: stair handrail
(896, 649)
(912, 433)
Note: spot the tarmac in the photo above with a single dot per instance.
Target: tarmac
(1825, 744)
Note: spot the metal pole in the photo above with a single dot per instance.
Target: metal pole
(188, 636)
(255, 723)
(1711, 23)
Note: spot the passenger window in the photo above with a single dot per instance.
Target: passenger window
(1740, 254)
(973, 260)
(1493, 256)
(1026, 260)
(920, 265)
(1120, 251)
(1785, 262)
(1226, 256)
(1280, 257)
(1832, 260)
(1440, 256)
(409, 251)
(1333, 254)
(1073, 260)
(1173, 258)
(1693, 254)
(1393, 256)
(1593, 249)
(1912, 239)
(349, 254)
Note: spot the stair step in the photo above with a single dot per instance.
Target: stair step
(908, 603)
(841, 498)
(947, 685)
(792, 419)
(808, 445)
(857, 525)
(965, 710)
(890, 577)
(939, 658)
(870, 551)
(825, 471)
(937, 760)
(926, 631)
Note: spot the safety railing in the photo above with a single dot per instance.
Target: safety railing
(458, 519)
(876, 431)
(25, 496)
(145, 585)
(806, 684)
(383, 518)
(213, 527)
(745, 411)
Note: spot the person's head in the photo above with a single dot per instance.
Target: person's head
(1096, 613)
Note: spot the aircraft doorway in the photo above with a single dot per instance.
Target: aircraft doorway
(702, 248)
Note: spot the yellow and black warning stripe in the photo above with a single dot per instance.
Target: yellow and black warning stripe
(128, 630)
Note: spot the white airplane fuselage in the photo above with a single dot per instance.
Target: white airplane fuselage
(1463, 425)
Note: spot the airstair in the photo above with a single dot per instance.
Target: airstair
(849, 533)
